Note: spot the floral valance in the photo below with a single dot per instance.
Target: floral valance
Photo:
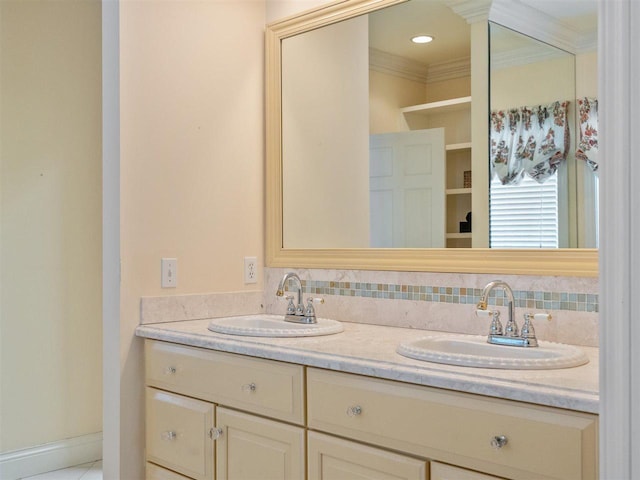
(528, 140)
(588, 146)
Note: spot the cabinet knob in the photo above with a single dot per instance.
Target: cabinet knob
(169, 436)
(499, 441)
(215, 433)
(354, 410)
(249, 387)
(170, 371)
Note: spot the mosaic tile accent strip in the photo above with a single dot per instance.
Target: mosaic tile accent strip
(579, 302)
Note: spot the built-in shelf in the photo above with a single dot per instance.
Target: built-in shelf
(457, 191)
(459, 235)
(444, 106)
(458, 146)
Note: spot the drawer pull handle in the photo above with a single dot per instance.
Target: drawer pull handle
(499, 441)
(354, 411)
(215, 433)
(169, 436)
(170, 371)
(249, 387)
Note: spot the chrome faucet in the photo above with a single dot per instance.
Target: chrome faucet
(509, 336)
(297, 313)
(511, 330)
(283, 283)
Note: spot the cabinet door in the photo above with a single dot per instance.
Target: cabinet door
(178, 433)
(331, 458)
(440, 471)
(255, 448)
(154, 472)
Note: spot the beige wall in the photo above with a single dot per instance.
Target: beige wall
(479, 137)
(279, 9)
(587, 74)
(191, 163)
(534, 83)
(325, 104)
(387, 94)
(451, 88)
(50, 143)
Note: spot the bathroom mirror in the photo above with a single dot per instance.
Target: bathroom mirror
(535, 202)
(284, 155)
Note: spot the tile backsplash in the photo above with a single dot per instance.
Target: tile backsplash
(445, 302)
(583, 302)
(422, 301)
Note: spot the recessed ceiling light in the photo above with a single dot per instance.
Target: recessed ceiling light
(422, 39)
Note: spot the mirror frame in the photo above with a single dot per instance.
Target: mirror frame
(560, 262)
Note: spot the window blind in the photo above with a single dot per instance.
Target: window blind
(524, 215)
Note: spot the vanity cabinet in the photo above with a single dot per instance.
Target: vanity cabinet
(499, 437)
(213, 415)
(454, 115)
(190, 432)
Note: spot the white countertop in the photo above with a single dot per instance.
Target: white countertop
(371, 350)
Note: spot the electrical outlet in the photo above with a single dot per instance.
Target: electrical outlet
(169, 272)
(250, 270)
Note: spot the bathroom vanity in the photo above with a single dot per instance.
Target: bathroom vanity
(347, 406)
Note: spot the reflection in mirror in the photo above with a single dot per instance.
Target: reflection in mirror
(363, 155)
(532, 111)
(534, 131)
(376, 137)
(325, 132)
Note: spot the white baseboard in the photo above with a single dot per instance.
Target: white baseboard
(51, 456)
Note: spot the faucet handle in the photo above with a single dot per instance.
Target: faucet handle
(310, 311)
(527, 330)
(291, 308)
(496, 326)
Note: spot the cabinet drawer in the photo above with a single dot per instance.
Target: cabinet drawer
(455, 428)
(267, 387)
(440, 471)
(177, 430)
(332, 458)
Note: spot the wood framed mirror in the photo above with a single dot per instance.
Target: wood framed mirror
(564, 261)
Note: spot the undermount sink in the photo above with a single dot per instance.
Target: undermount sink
(272, 326)
(474, 351)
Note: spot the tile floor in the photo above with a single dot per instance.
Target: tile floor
(87, 471)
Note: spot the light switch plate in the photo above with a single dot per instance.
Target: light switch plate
(169, 272)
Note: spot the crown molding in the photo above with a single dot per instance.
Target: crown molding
(471, 10)
(522, 56)
(388, 63)
(587, 41)
(449, 70)
(541, 26)
(385, 62)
